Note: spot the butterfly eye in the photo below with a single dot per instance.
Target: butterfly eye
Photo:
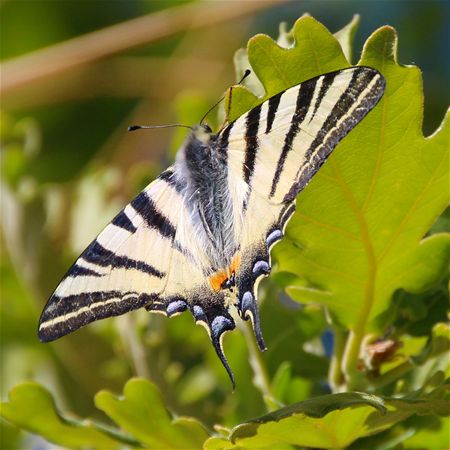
(226, 284)
(207, 128)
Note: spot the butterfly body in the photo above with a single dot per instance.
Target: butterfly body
(201, 166)
(199, 237)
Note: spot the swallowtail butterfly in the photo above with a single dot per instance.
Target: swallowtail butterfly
(199, 237)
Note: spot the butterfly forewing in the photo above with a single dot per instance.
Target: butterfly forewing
(279, 145)
(276, 148)
(124, 268)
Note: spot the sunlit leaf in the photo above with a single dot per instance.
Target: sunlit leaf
(277, 68)
(360, 223)
(358, 234)
(365, 233)
(360, 231)
(32, 408)
(142, 413)
(333, 421)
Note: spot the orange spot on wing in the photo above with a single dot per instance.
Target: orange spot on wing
(217, 279)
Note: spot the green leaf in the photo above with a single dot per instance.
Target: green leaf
(142, 413)
(361, 221)
(316, 51)
(360, 230)
(358, 234)
(32, 408)
(333, 421)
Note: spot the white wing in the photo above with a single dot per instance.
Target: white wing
(148, 256)
(124, 268)
(273, 152)
(154, 254)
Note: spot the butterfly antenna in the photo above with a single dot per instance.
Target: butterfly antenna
(150, 127)
(246, 74)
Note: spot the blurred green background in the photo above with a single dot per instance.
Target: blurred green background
(68, 165)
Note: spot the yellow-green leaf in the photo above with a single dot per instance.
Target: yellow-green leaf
(142, 413)
(32, 408)
(332, 421)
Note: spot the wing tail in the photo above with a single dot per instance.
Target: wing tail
(256, 264)
(209, 311)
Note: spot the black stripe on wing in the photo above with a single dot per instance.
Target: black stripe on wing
(222, 142)
(357, 93)
(327, 81)
(274, 102)
(153, 218)
(99, 255)
(170, 178)
(251, 142)
(304, 97)
(342, 106)
(80, 271)
(63, 315)
(123, 221)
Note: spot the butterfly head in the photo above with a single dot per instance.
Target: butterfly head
(202, 133)
(195, 154)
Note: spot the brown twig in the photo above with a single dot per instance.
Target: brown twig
(114, 39)
(119, 77)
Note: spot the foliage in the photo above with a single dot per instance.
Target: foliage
(362, 260)
(340, 419)
(143, 421)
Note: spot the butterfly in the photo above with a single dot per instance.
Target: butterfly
(199, 237)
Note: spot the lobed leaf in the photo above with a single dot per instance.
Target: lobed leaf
(31, 407)
(141, 417)
(142, 413)
(316, 51)
(332, 421)
(359, 233)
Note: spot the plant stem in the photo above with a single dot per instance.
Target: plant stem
(351, 355)
(335, 375)
(392, 375)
